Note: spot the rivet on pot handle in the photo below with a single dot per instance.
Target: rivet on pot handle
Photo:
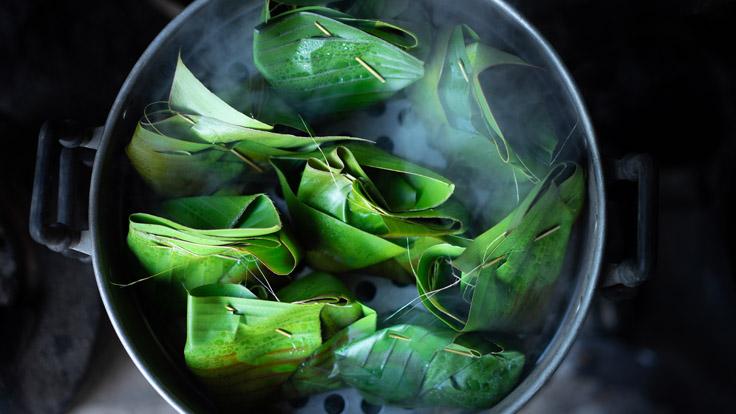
(638, 168)
(59, 205)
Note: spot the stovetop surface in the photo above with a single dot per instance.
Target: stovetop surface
(657, 78)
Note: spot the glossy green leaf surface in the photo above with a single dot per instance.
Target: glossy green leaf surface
(196, 143)
(197, 241)
(356, 206)
(414, 366)
(247, 349)
(503, 278)
(326, 62)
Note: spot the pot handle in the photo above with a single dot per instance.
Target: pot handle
(632, 272)
(58, 218)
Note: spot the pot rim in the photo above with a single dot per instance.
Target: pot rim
(577, 309)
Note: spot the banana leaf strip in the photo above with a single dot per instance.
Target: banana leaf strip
(502, 280)
(246, 349)
(198, 241)
(356, 206)
(196, 143)
(414, 366)
(325, 61)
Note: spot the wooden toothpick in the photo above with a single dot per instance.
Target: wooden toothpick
(323, 29)
(547, 233)
(463, 71)
(468, 354)
(370, 70)
(399, 337)
(284, 332)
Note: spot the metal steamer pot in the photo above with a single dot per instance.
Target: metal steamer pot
(205, 32)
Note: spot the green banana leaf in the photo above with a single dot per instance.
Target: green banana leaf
(472, 159)
(248, 349)
(256, 97)
(357, 206)
(196, 143)
(214, 239)
(502, 280)
(342, 323)
(414, 366)
(453, 97)
(416, 19)
(325, 61)
(467, 108)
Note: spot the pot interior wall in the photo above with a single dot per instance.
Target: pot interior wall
(214, 40)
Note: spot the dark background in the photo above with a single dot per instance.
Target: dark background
(657, 77)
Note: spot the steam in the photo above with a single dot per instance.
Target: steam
(216, 44)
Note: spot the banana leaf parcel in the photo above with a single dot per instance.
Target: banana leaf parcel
(248, 349)
(325, 61)
(213, 239)
(503, 278)
(415, 366)
(195, 143)
(462, 103)
(356, 206)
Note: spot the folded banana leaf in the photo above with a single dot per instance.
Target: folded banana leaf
(254, 96)
(342, 323)
(196, 143)
(325, 61)
(198, 241)
(452, 97)
(503, 278)
(304, 2)
(356, 206)
(414, 366)
(247, 349)
(452, 92)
